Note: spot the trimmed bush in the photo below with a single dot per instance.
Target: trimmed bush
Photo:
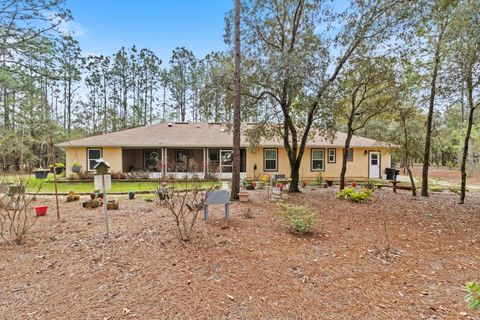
(354, 195)
(299, 219)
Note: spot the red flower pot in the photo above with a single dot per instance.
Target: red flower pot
(41, 211)
(354, 184)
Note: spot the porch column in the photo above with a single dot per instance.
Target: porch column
(166, 160)
(205, 164)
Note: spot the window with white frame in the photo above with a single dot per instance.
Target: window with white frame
(270, 159)
(92, 156)
(318, 159)
(332, 156)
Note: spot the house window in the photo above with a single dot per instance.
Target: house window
(270, 159)
(349, 154)
(317, 159)
(152, 159)
(226, 158)
(214, 160)
(181, 160)
(332, 156)
(92, 156)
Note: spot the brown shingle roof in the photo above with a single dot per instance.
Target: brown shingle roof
(198, 134)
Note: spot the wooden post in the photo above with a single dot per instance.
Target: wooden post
(205, 213)
(227, 211)
(54, 159)
(105, 212)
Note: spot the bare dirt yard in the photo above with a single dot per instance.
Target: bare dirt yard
(445, 174)
(249, 268)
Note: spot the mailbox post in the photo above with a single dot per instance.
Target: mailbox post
(101, 169)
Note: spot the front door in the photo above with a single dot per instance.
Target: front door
(374, 165)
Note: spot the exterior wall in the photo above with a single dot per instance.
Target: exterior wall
(358, 168)
(113, 155)
(73, 155)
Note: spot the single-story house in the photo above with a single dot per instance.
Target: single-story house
(159, 148)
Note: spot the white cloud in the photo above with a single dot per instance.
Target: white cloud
(73, 28)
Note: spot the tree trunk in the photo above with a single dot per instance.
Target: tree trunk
(428, 136)
(471, 108)
(344, 159)
(236, 107)
(412, 182)
(407, 156)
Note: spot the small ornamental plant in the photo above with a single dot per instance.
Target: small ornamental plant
(473, 295)
(299, 219)
(355, 195)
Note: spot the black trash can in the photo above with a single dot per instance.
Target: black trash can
(391, 173)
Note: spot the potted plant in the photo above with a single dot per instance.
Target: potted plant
(41, 173)
(59, 167)
(329, 183)
(250, 186)
(76, 167)
(131, 195)
(304, 183)
(243, 195)
(41, 211)
(260, 184)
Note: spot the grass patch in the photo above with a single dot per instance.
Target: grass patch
(47, 186)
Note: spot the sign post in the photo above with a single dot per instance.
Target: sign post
(217, 197)
(103, 185)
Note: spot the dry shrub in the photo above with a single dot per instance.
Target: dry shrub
(117, 175)
(16, 217)
(184, 196)
(86, 175)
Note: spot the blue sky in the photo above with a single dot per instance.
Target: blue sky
(104, 26)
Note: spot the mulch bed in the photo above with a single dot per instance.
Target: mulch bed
(249, 268)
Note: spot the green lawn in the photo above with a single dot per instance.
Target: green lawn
(47, 186)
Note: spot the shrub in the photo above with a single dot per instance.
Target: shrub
(73, 176)
(149, 198)
(299, 219)
(184, 198)
(265, 178)
(319, 178)
(473, 295)
(118, 175)
(16, 206)
(354, 195)
(369, 184)
(86, 175)
(141, 175)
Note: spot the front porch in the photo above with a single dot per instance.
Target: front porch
(182, 162)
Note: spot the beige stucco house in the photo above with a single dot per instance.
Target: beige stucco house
(210, 146)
